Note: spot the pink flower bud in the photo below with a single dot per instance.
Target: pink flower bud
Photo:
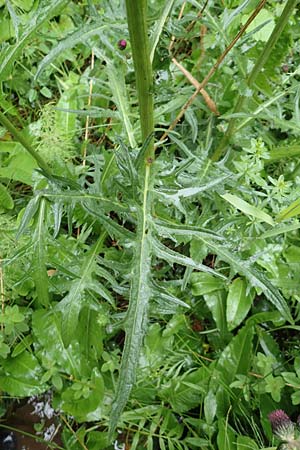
(282, 426)
(122, 44)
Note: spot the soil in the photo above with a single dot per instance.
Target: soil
(33, 425)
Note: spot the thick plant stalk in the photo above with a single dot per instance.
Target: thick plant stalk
(20, 138)
(140, 291)
(289, 7)
(137, 25)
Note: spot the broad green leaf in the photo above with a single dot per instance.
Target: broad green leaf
(238, 303)
(226, 439)
(232, 360)
(4, 350)
(288, 151)
(84, 402)
(162, 294)
(183, 392)
(171, 229)
(66, 120)
(210, 407)
(245, 442)
(204, 283)
(248, 209)
(289, 212)
(296, 398)
(22, 376)
(11, 53)
(24, 344)
(28, 214)
(274, 386)
(292, 254)
(176, 194)
(47, 329)
(26, 5)
(6, 201)
(216, 303)
(264, 22)
(111, 226)
(197, 442)
(104, 203)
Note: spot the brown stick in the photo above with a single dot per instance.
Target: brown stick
(209, 101)
(213, 69)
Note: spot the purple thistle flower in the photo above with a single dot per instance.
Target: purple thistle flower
(122, 44)
(282, 426)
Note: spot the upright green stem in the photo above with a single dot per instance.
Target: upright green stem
(137, 25)
(136, 317)
(20, 138)
(289, 7)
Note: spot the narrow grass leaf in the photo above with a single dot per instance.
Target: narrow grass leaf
(280, 229)
(248, 209)
(289, 212)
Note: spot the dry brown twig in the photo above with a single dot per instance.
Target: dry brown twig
(209, 101)
(213, 69)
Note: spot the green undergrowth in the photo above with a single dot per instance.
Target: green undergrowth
(155, 295)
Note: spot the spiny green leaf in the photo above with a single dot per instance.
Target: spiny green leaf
(135, 325)
(76, 299)
(28, 215)
(159, 27)
(80, 35)
(11, 53)
(171, 229)
(118, 89)
(112, 227)
(255, 277)
(172, 257)
(39, 257)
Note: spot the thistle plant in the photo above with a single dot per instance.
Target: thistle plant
(285, 430)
